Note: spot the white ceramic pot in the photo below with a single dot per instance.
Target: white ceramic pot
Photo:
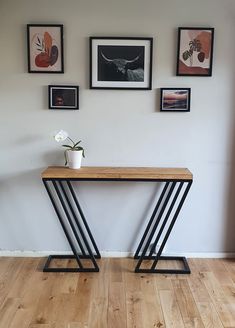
(74, 158)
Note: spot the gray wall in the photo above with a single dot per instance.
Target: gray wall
(118, 128)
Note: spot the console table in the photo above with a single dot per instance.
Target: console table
(175, 182)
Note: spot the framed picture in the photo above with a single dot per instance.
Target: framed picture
(120, 63)
(195, 51)
(175, 99)
(63, 97)
(45, 48)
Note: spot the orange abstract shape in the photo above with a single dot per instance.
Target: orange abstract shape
(205, 40)
(184, 69)
(42, 60)
(48, 43)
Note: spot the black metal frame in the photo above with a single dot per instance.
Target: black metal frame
(56, 88)
(61, 27)
(79, 235)
(211, 50)
(162, 109)
(111, 38)
(76, 231)
(162, 214)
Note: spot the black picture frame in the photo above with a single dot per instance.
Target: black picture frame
(121, 63)
(63, 97)
(175, 99)
(45, 48)
(195, 51)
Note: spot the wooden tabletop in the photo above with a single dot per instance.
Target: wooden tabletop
(116, 173)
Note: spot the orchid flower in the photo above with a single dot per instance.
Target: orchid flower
(62, 136)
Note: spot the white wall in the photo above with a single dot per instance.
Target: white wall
(118, 128)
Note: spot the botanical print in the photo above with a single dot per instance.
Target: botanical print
(195, 52)
(45, 46)
(48, 53)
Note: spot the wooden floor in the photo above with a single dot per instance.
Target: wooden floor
(116, 296)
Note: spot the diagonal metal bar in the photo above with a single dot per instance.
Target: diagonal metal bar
(151, 220)
(155, 225)
(83, 219)
(62, 224)
(166, 218)
(74, 215)
(79, 226)
(69, 219)
(171, 225)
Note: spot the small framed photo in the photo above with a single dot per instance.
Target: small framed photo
(175, 99)
(121, 63)
(63, 97)
(195, 51)
(45, 48)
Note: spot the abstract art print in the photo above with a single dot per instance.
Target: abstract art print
(195, 51)
(45, 48)
(63, 97)
(175, 99)
(120, 63)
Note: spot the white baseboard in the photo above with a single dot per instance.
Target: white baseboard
(5, 253)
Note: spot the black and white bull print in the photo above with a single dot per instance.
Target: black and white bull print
(121, 69)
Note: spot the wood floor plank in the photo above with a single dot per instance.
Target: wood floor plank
(51, 325)
(209, 315)
(151, 307)
(229, 264)
(187, 305)
(219, 299)
(29, 300)
(198, 289)
(171, 309)
(8, 311)
(8, 277)
(74, 307)
(20, 285)
(47, 307)
(116, 296)
(98, 316)
(134, 300)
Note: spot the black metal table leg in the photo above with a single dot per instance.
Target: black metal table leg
(155, 231)
(77, 233)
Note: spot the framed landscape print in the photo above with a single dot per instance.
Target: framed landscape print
(120, 63)
(195, 51)
(63, 97)
(45, 48)
(175, 99)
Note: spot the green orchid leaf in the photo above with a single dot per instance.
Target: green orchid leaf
(77, 143)
(67, 146)
(78, 148)
(186, 55)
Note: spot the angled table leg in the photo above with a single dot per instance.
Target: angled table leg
(161, 222)
(77, 232)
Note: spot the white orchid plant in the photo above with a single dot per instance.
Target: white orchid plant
(75, 146)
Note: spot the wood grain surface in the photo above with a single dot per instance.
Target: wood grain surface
(116, 296)
(142, 173)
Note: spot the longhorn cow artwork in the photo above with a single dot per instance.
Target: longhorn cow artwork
(121, 63)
